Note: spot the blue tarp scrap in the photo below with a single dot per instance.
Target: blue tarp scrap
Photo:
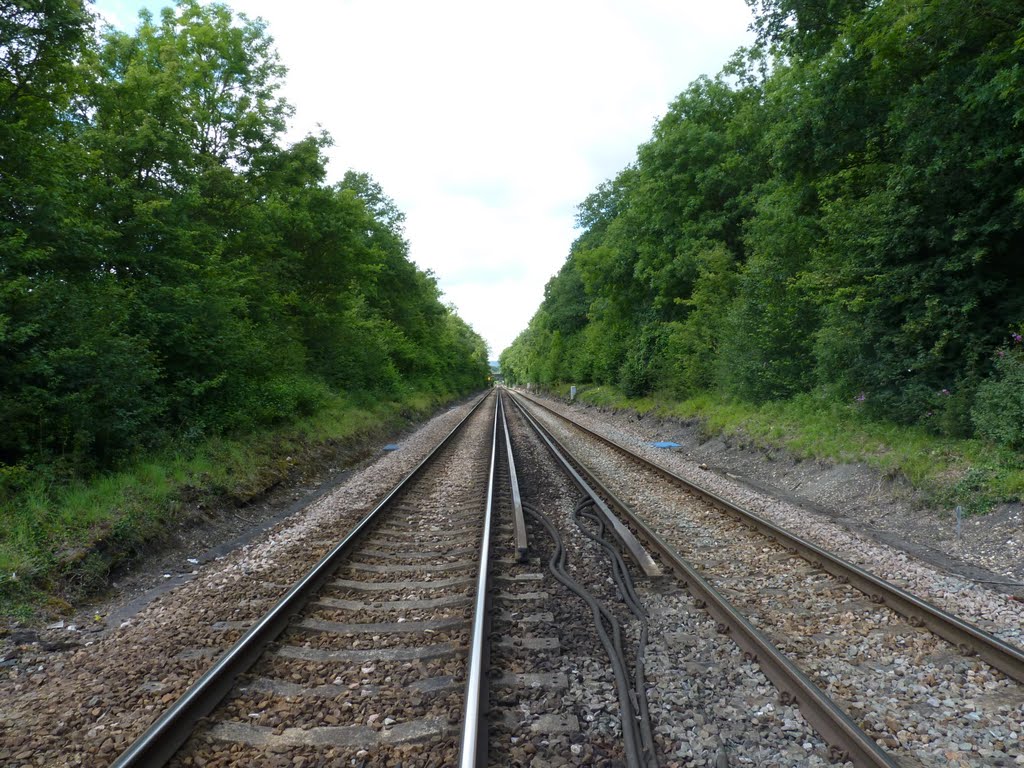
(665, 444)
(391, 447)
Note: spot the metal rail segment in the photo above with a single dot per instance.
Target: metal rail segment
(163, 738)
(625, 536)
(970, 639)
(638, 739)
(473, 749)
(522, 545)
(834, 725)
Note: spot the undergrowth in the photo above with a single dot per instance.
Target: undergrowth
(61, 538)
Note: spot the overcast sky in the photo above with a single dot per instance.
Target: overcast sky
(487, 122)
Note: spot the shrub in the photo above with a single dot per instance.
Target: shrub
(642, 367)
(285, 397)
(998, 412)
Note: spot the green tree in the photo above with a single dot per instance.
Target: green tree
(167, 269)
(847, 218)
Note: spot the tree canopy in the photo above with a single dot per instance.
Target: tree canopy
(169, 268)
(840, 210)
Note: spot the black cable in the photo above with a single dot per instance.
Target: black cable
(627, 591)
(558, 564)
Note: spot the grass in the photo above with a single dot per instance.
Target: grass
(973, 474)
(60, 541)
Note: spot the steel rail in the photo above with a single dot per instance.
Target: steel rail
(171, 730)
(522, 545)
(833, 724)
(586, 484)
(473, 748)
(633, 734)
(968, 638)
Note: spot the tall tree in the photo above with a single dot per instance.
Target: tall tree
(847, 219)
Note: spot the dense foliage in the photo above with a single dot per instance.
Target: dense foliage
(839, 211)
(169, 269)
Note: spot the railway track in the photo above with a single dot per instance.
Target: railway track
(364, 658)
(396, 645)
(931, 688)
(505, 606)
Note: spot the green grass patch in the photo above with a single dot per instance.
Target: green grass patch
(59, 541)
(974, 474)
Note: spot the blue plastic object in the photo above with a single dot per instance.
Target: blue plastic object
(665, 444)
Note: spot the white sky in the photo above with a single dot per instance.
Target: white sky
(487, 122)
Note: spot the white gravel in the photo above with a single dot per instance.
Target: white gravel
(707, 702)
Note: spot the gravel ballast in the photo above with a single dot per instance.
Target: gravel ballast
(915, 694)
(709, 705)
(76, 697)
